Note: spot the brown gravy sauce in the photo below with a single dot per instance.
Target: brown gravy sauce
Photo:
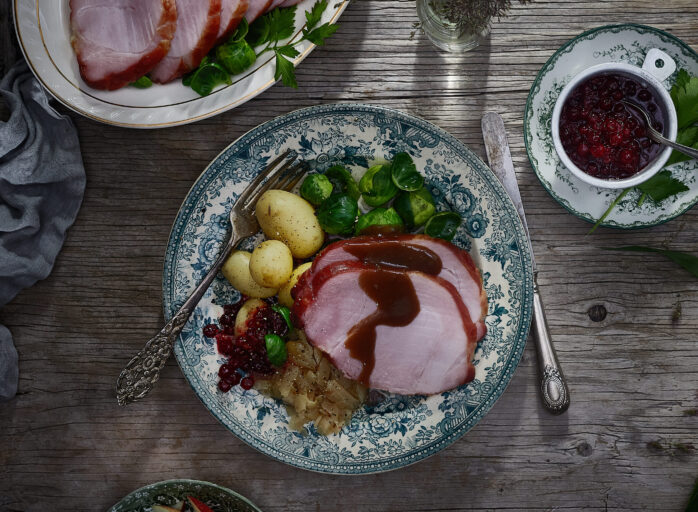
(397, 255)
(398, 304)
(391, 290)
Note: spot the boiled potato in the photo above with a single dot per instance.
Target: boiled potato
(246, 310)
(291, 219)
(271, 264)
(285, 291)
(236, 269)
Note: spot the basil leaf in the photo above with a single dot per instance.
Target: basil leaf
(276, 349)
(284, 312)
(405, 174)
(443, 225)
(687, 137)
(687, 261)
(662, 185)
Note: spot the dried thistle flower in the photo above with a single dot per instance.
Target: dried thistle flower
(472, 15)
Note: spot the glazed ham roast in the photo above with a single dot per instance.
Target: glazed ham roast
(198, 22)
(119, 41)
(401, 313)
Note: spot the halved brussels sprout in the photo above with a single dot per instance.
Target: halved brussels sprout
(405, 174)
(443, 225)
(376, 185)
(342, 182)
(316, 188)
(337, 214)
(380, 220)
(415, 208)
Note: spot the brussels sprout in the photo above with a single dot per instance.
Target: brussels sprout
(342, 182)
(380, 220)
(405, 174)
(236, 56)
(443, 225)
(376, 186)
(276, 349)
(415, 208)
(316, 188)
(207, 77)
(337, 214)
(142, 83)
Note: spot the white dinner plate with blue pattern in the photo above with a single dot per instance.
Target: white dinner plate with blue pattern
(613, 43)
(400, 430)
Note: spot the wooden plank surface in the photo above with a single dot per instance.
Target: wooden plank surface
(628, 442)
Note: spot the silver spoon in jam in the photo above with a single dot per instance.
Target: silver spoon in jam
(658, 137)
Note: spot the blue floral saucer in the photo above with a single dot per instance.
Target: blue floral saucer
(400, 430)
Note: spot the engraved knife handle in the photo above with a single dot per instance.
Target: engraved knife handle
(553, 387)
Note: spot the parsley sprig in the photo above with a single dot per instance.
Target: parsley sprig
(279, 24)
(663, 185)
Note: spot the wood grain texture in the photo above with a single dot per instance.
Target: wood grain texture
(628, 442)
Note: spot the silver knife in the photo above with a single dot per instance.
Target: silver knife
(553, 387)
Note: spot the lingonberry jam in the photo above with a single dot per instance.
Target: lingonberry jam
(246, 354)
(604, 137)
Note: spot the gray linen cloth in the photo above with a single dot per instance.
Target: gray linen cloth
(42, 181)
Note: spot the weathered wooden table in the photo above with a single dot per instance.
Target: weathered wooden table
(628, 442)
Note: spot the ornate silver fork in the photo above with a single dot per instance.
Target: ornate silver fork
(143, 371)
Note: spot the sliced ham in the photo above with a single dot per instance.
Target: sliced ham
(274, 4)
(197, 31)
(457, 267)
(256, 9)
(430, 354)
(119, 41)
(289, 3)
(232, 12)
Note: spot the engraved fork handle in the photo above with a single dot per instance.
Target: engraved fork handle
(553, 387)
(143, 371)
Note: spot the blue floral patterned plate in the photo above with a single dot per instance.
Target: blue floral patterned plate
(613, 43)
(170, 492)
(400, 430)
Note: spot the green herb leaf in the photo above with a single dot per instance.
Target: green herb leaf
(259, 32)
(288, 51)
(687, 261)
(285, 71)
(276, 349)
(687, 137)
(693, 499)
(685, 96)
(313, 16)
(662, 185)
(282, 23)
(321, 33)
(142, 83)
(284, 312)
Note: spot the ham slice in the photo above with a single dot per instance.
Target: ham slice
(232, 12)
(274, 4)
(119, 41)
(256, 9)
(430, 354)
(198, 23)
(289, 3)
(458, 268)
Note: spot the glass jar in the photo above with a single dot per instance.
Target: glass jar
(443, 33)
